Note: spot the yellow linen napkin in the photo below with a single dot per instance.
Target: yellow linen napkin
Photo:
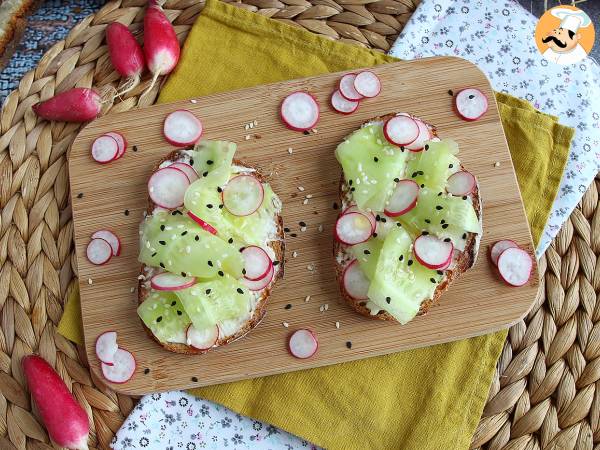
(428, 398)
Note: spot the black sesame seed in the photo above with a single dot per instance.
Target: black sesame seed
(162, 242)
(209, 162)
(348, 344)
(444, 226)
(207, 291)
(440, 194)
(221, 274)
(447, 240)
(464, 236)
(377, 217)
(350, 182)
(210, 263)
(425, 233)
(293, 235)
(146, 371)
(230, 240)
(197, 238)
(432, 280)
(442, 221)
(450, 166)
(276, 263)
(126, 212)
(306, 133)
(80, 195)
(440, 272)
(439, 208)
(335, 205)
(414, 174)
(388, 300)
(422, 185)
(396, 179)
(376, 159)
(179, 313)
(243, 271)
(383, 220)
(205, 174)
(161, 265)
(191, 161)
(209, 206)
(420, 172)
(162, 228)
(183, 274)
(471, 97)
(194, 379)
(159, 319)
(426, 147)
(286, 229)
(221, 206)
(402, 148)
(302, 224)
(450, 92)
(410, 261)
(398, 224)
(367, 252)
(464, 197)
(219, 190)
(288, 306)
(184, 233)
(239, 291)
(374, 235)
(401, 258)
(352, 189)
(427, 221)
(134, 148)
(153, 255)
(173, 303)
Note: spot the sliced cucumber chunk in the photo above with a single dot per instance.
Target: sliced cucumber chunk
(165, 316)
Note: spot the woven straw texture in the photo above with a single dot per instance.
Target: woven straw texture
(546, 393)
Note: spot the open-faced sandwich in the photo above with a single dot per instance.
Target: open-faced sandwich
(211, 248)
(410, 221)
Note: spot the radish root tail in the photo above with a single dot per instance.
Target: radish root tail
(152, 83)
(129, 84)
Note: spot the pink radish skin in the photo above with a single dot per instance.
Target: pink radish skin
(257, 263)
(106, 347)
(461, 183)
(303, 344)
(514, 266)
(499, 247)
(369, 215)
(122, 368)
(243, 195)
(187, 169)
(401, 130)
(205, 226)
(403, 199)
(343, 105)
(299, 111)
(161, 46)
(63, 417)
(432, 252)
(98, 251)
(105, 149)
(367, 84)
(259, 285)
(346, 88)
(181, 128)
(471, 104)
(121, 142)
(167, 187)
(74, 105)
(353, 228)
(171, 282)
(202, 339)
(125, 52)
(112, 239)
(355, 282)
(424, 135)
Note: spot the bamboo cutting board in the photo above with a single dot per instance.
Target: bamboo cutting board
(114, 196)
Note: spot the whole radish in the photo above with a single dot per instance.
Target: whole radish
(74, 105)
(126, 54)
(65, 420)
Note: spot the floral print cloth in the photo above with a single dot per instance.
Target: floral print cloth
(498, 37)
(176, 420)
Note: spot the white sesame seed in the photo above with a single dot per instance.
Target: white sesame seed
(303, 229)
(305, 202)
(255, 123)
(140, 277)
(301, 188)
(309, 196)
(497, 164)
(194, 101)
(90, 281)
(285, 324)
(307, 299)
(132, 290)
(337, 325)
(326, 306)
(310, 267)
(320, 228)
(294, 254)
(247, 137)
(290, 150)
(321, 308)
(250, 125)
(314, 130)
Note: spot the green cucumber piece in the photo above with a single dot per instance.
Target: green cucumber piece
(212, 159)
(433, 166)
(163, 313)
(367, 254)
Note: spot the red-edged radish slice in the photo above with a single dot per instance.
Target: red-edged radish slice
(104, 149)
(499, 247)
(367, 84)
(243, 195)
(121, 141)
(259, 285)
(257, 263)
(206, 226)
(122, 368)
(167, 187)
(111, 238)
(98, 251)
(106, 347)
(424, 135)
(461, 183)
(403, 199)
(303, 344)
(353, 228)
(346, 88)
(182, 128)
(187, 169)
(202, 339)
(369, 214)
(299, 111)
(401, 130)
(342, 105)
(471, 104)
(432, 252)
(514, 265)
(171, 282)
(356, 283)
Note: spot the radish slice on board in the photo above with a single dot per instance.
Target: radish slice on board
(121, 141)
(202, 339)
(182, 128)
(303, 344)
(171, 282)
(367, 84)
(187, 169)
(401, 130)
(499, 247)
(432, 252)
(122, 368)
(356, 283)
(257, 263)
(112, 239)
(105, 149)
(98, 251)
(461, 183)
(471, 104)
(343, 105)
(514, 265)
(106, 347)
(353, 228)
(167, 187)
(403, 199)
(369, 215)
(206, 226)
(299, 111)
(259, 285)
(346, 88)
(424, 135)
(243, 195)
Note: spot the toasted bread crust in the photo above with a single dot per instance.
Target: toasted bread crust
(464, 262)
(278, 247)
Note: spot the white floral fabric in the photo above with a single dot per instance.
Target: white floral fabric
(498, 37)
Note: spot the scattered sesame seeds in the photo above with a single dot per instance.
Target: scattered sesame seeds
(301, 188)
(285, 324)
(314, 130)
(194, 379)
(307, 299)
(309, 196)
(303, 229)
(194, 101)
(132, 290)
(337, 325)
(305, 201)
(288, 306)
(294, 254)
(320, 228)
(348, 344)
(247, 137)
(290, 150)
(90, 281)
(140, 277)
(326, 306)
(497, 164)
(146, 371)
(80, 195)
(310, 267)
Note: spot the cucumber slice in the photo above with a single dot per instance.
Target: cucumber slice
(213, 159)
(433, 166)
(367, 255)
(164, 314)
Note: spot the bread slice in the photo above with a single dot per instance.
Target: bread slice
(465, 260)
(278, 246)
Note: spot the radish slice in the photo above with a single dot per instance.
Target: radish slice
(299, 111)
(167, 187)
(514, 265)
(343, 105)
(303, 344)
(461, 183)
(259, 285)
(424, 135)
(243, 195)
(432, 252)
(367, 84)
(403, 199)
(171, 282)
(98, 251)
(346, 88)
(206, 226)
(257, 263)
(122, 368)
(105, 149)
(471, 104)
(499, 247)
(121, 142)
(187, 169)
(369, 215)
(401, 130)
(106, 347)
(182, 128)
(112, 239)
(356, 284)
(353, 228)
(202, 339)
